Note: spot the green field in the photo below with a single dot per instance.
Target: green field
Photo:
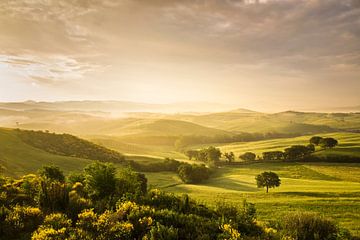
(349, 144)
(330, 189)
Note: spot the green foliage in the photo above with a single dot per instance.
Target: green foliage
(68, 145)
(20, 222)
(273, 156)
(309, 226)
(161, 232)
(52, 173)
(248, 156)
(230, 157)
(53, 196)
(75, 177)
(100, 180)
(193, 173)
(328, 143)
(268, 180)
(56, 226)
(210, 155)
(298, 152)
(315, 140)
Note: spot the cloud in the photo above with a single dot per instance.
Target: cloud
(134, 43)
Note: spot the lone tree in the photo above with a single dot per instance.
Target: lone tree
(315, 140)
(328, 143)
(268, 180)
(248, 156)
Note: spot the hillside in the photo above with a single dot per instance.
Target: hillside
(285, 122)
(17, 157)
(23, 151)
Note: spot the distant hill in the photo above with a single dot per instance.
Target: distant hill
(286, 122)
(117, 106)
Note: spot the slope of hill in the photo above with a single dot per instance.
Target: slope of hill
(284, 122)
(68, 145)
(17, 157)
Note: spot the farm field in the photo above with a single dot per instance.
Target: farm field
(330, 189)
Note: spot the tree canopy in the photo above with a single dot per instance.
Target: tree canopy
(267, 180)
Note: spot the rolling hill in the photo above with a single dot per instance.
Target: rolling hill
(23, 151)
(18, 158)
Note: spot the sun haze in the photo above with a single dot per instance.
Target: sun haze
(266, 55)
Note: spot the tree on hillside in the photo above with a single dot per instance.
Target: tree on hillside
(315, 140)
(268, 180)
(248, 156)
(328, 143)
(230, 157)
(213, 154)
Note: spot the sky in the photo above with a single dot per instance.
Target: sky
(265, 55)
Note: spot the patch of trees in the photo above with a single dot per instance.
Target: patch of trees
(68, 145)
(188, 173)
(193, 173)
(209, 155)
(325, 143)
(248, 157)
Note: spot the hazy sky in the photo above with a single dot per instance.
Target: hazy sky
(269, 55)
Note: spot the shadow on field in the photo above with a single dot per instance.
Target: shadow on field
(320, 194)
(231, 184)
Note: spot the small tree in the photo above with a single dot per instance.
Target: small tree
(315, 140)
(230, 157)
(52, 173)
(268, 180)
(328, 143)
(248, 156)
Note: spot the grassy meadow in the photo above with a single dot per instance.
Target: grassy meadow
(330, 189)
(349, 144)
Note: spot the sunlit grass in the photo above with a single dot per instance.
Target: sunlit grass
(330, 189)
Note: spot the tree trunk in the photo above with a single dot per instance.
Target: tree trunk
(267, 189)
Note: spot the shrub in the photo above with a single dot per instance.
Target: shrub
(21, 222)
(309, 226)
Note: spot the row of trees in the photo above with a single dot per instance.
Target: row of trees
(209, 155)
(213, 155)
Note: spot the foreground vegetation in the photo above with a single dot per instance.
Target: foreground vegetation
(99, 203)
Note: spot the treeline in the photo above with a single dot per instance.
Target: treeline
(213, 156)
(101, 203)
(68, 145)
(300, 152)
(188, 173)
